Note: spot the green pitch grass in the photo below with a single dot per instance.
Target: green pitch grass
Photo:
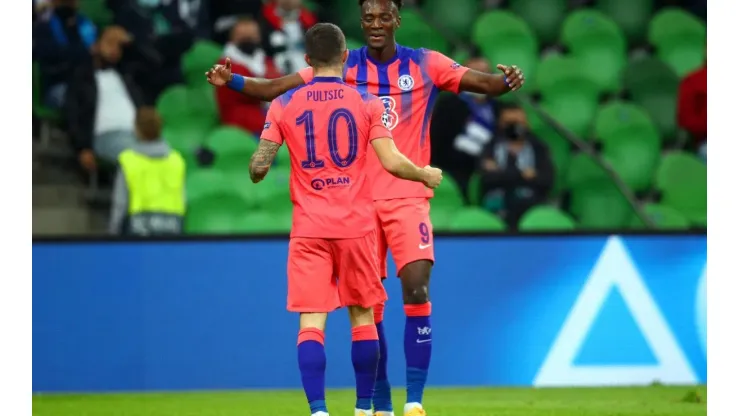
(652, 401)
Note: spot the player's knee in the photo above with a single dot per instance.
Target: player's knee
(415, 282)
(359, 316)
(313, 320)
(416, 295)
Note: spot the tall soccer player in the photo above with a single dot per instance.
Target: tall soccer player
(332, 258)
(407, 81)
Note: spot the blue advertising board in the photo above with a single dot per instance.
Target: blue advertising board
(540, 310)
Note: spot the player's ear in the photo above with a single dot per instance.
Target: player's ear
(345, 56)
(308, 61)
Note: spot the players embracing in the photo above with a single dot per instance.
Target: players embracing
(407, 81)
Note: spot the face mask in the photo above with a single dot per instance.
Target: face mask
(247, 46)
(514, 131)
(65, 12)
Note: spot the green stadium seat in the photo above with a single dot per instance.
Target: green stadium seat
(448, 194)
(474, 190)
(172, 104)
(202, 105)
(441, 217)
(634, 155)
(585, 172)
(348, 18)
(631, 143)
(598, 44)
(664, 218)
(617, 116)
(274, 191)
(546, 218)
(97, 11)
(568, 93)
(457, 16)
(233, 148)
(476, 220)
(506, 39)
(216, 214)
(654, 86)
(415, 32)
(600, 205)
(682, 182)
(559, 146)
(680, 39)
(203, 183)
(199, 59)
(354, 44)
(261, 222)
(632, 16)
(543, 16)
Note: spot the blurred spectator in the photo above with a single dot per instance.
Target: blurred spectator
(225, 14)
(102, 101)
(244, 49)
(149, 189)
(285, 23)
(61, 42)
(156, 25)
(692, 108)
(516, 168)
(461, 126)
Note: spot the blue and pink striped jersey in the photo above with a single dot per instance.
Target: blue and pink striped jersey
(408, 85)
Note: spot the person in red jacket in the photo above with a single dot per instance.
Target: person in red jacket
(692, 107)
(244, 54)
(284, 23)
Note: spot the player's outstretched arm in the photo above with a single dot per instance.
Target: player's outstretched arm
(262, 159)
(260, 88)
(398, 165)
(511, 79)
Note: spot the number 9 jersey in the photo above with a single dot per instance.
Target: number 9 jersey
(328, 126)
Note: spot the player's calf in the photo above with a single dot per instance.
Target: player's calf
(415, 278)
(312, 361)
(365, 354)
(382, 403)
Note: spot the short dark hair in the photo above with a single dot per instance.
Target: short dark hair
(399, 3)
(149, 123)
(325, 45)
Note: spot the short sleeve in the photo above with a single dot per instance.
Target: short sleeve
(306, 74)
(444, 72)
(378, 120)
(271, 130)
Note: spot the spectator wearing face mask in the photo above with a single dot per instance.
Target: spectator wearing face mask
(285, 23)
(61, 41)
(247, 58)
(516, 169)
(461, 126)
(101, 102)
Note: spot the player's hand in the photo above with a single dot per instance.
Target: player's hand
(514, 76)
(432, 177)
(219, 75)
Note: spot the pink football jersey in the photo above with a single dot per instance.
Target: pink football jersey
(327, 126)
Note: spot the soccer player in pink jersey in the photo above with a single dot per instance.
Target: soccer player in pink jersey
(332, 258)
(407, 81)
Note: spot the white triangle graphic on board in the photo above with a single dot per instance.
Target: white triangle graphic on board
(614, 270)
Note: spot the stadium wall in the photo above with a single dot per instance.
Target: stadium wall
(543, 311)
